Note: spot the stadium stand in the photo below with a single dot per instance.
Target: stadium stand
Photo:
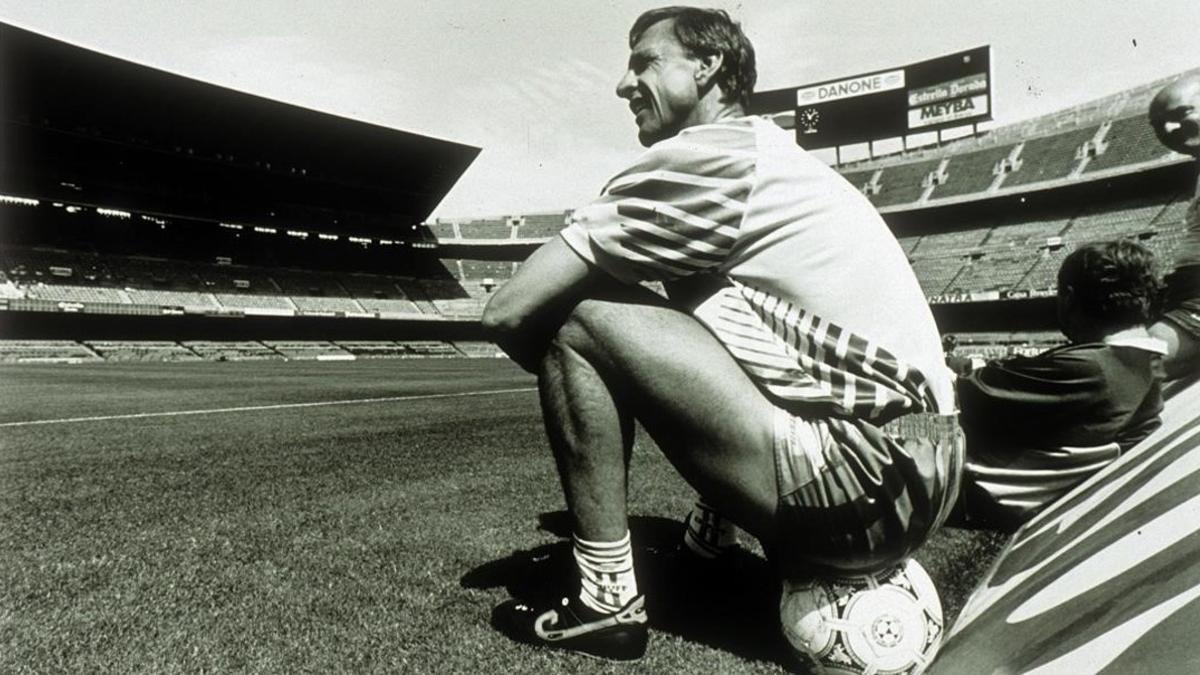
(935, 274)
(443, 231)
(232, 351)
(367, 349)
(1111, 221)
(541, 225)
(310, 350)
(1019, 232)
(971, 172)
(81, 294)
(495, 228)
(45, 351)
(859, 179)
(955, 241)
(1050, 157)
(200, 302)
(283, 230)
(317, 304)
(903, 183)
(478, 350)
(993, 272)
(385, 307)
(142, 350)
(435, 348)
(1130, 141)
(909, 244)
(274, 304)
(1044, 275)
(478, 270)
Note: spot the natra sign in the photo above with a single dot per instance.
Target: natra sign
(946, 91)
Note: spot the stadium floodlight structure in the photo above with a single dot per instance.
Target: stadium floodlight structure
(84, 127)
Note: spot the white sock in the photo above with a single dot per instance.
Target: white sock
(708, 533)
(606, 573)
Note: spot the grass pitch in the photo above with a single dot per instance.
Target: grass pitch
(313, 534)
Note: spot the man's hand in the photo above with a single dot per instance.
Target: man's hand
(523, 316)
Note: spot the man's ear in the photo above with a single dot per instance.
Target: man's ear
(707, 67)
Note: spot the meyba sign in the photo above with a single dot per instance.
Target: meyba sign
(950, 90)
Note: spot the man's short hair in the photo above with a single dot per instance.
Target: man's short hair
(706, 32)
(1115, 283)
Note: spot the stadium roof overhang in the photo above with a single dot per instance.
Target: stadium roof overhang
(86, 127)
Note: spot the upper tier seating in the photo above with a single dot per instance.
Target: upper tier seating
(65, 293)
(542, 225)
(1130, 141)
(442, 231)
(186, 299)
(901, 184)
(1050, 157)
(310, 303)
(490, 228)
(971, 172)
(252, 302)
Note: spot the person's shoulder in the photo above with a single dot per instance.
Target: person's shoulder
(1083, 357)
(731, 135)
(721, 150)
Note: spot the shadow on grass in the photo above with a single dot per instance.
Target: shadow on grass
(733, 607)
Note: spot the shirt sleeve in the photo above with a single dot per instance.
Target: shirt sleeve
(675, 212)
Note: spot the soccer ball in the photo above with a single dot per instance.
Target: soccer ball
(873, 624)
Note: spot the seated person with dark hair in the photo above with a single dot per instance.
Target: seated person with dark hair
(1038, 426)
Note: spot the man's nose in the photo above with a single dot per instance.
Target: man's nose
(626, 85)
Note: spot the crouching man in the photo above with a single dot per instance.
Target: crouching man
(794, 331)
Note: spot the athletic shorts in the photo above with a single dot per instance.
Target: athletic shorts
(1183, 299)
(854, 497)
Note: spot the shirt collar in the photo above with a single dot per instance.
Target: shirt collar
(1137, 338)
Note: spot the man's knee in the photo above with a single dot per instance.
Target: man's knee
(575, 332)
(593, 317)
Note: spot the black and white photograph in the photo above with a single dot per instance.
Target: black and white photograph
(774, 336)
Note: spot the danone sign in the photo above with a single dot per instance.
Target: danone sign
(862, 85)
(949, 90)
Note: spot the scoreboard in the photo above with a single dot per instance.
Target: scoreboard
(946, 91)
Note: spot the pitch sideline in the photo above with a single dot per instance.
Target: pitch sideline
(274, 406)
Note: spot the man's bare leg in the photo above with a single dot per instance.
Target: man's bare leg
(613, 360)
(670, 373)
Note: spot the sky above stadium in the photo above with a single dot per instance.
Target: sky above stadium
(532, 82)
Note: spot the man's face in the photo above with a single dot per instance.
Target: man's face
(660, 84)
(1175, 116)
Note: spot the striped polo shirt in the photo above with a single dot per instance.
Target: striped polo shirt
(809, 290)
